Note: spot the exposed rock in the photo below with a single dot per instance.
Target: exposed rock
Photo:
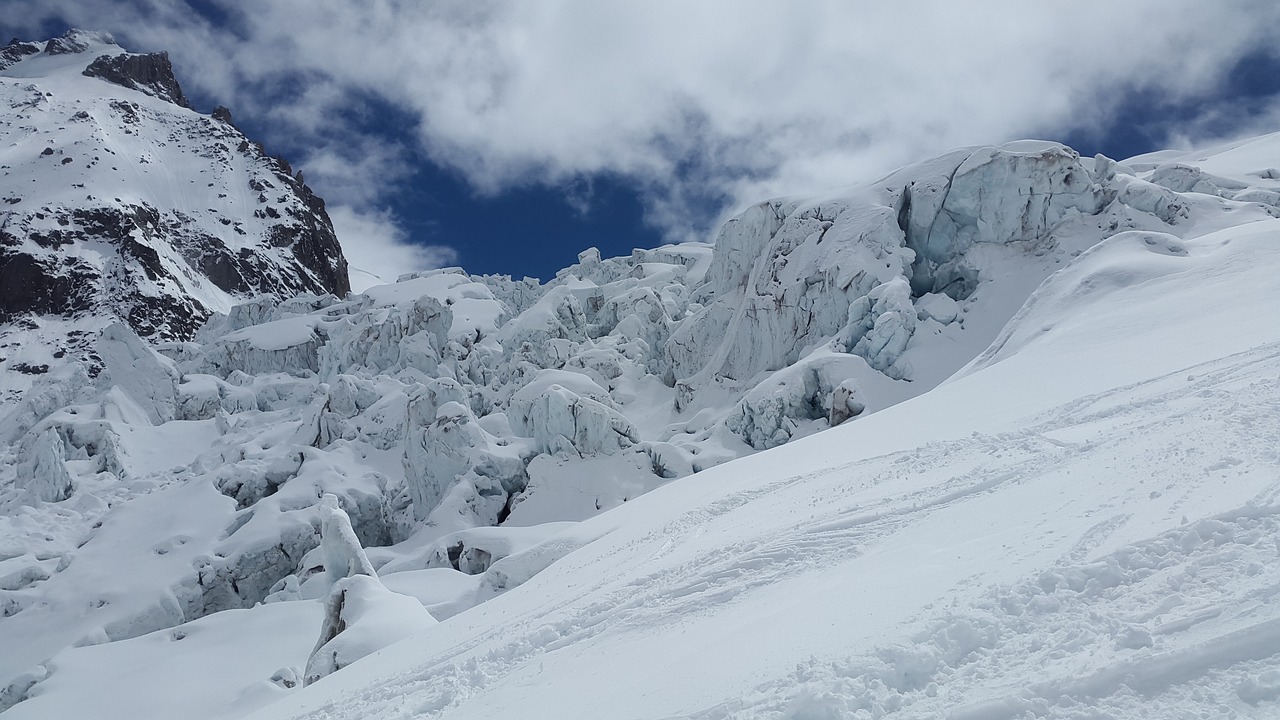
(151, 74)
(30, 285)
(77, 41)
(15, 51)
(161, 261)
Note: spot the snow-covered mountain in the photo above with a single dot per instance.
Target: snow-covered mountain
(117, 199)
(1051, 492)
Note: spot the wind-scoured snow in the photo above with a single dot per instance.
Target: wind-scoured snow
(1018, 409)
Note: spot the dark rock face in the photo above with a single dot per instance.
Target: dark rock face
(28, 285)
(54, 283)
(313, 241)
(15, 51)
(151, 74)
(140, 281)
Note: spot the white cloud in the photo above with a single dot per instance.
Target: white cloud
(377, 250)
(357, 170)
(719, 101)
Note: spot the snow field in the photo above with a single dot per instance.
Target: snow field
(1079, 523)
(1084, 528)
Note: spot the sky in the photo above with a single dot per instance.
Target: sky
(508, 136)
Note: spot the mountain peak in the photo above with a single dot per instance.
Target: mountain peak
(151, 74)
(120, 200)
(148, 73)
(77, 41)
(15, 51)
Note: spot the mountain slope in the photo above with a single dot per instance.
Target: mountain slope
(117, 199)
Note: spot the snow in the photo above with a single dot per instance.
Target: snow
(339, 546)
(439, 589)
(475, 309)
(1076, 525)
(361, 615)
(124, 581)
(561, 488)
(44, 474)
(235, 653)
(992, 436)
(276, 335)
(122, 205)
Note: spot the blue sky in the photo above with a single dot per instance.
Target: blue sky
(507, 137)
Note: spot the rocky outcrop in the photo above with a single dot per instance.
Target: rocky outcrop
(151, 74)
(77, 41)
(96, 227)
(15, 51)
(29, 286)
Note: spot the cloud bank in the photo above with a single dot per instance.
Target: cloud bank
(377, 249)
(702, 106)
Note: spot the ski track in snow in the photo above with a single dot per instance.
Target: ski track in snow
(1160, 588)
(1170, 626)
(1114, 610)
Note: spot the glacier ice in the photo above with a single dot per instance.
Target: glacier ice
(340, 549)
(454, 414)
(43, 473)
(361, 615)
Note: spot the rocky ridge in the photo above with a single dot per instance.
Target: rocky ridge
(119, 200)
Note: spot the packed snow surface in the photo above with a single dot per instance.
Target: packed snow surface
(1046, 482)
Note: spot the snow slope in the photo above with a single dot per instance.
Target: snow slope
(1082, 525)
(1038, 365)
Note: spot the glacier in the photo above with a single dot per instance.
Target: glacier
(991, 436)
